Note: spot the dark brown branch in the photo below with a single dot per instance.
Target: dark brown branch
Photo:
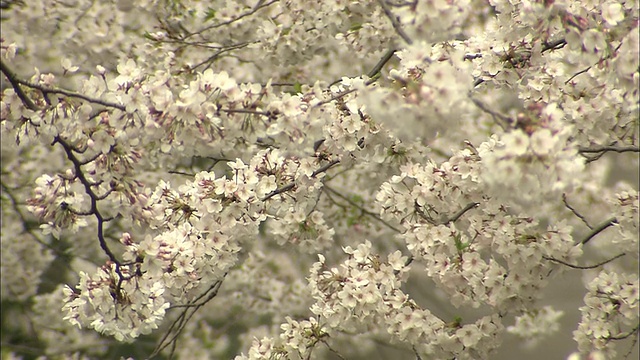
(589, 67)
(598, 229)
(554, 45)
(378, 67)
(415, 351)
(72, 94)
(459, 214)
(258, 6)
(502, 120)
(624, 335)
(211, 58)
(602, 149)
(336, 97)
(472, 56)
(15, 83)
(291, 185)
(180, 323)
(279, 190)
(77, 164)
(444, 221)
(394, 22)
(576, 74)
(583, 267)
(363, 210)
(248, 111)
(575, 212)
(325, 168)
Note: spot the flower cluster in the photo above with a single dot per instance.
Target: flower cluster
(535, 325)
(122, 309)
(453, 240)
(56, 205)
(513, 162)
(610, 312)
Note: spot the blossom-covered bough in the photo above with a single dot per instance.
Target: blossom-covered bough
(317, 179)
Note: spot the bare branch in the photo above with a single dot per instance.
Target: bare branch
(363, 210)
(603, 149)
(502, 120)
(15, 83)
(444, 221)
(378, 67)
(259, 5)
(554, 45)
(583, 267)
(624, 335)
(576, 74)
(575, 212)
(394, 22)
(598, 229)
(180, 323)
(73, 94)
(457, 215)
(218, 53)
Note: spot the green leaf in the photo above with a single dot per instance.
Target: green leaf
(297, 88)
(210, 14)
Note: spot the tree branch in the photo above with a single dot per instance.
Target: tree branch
(444, 221)
(457, 215)
(624, 335)
(363, 210)
(598, 229)
(378, 67)
(502, 120)
(575, 212)
(583, 267)
(72, 94)
(554, 45)
(180, 323)
(258, 6)
(15, 83)
(603, 149)
(291, 185)
(394, 22)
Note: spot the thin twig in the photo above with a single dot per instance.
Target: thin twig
(457, 216)
(73, 94)
(363, 210)
(258, 6)
(394, 22)
(444, 221)
(576, 74)
(333, 350)
(183, 318)
(502, 120)
(218, 53)
(624, 335)
(583, 267)
(94, 202)
(415, 351)
(291, 185)
(575, 212)
(248, 111)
